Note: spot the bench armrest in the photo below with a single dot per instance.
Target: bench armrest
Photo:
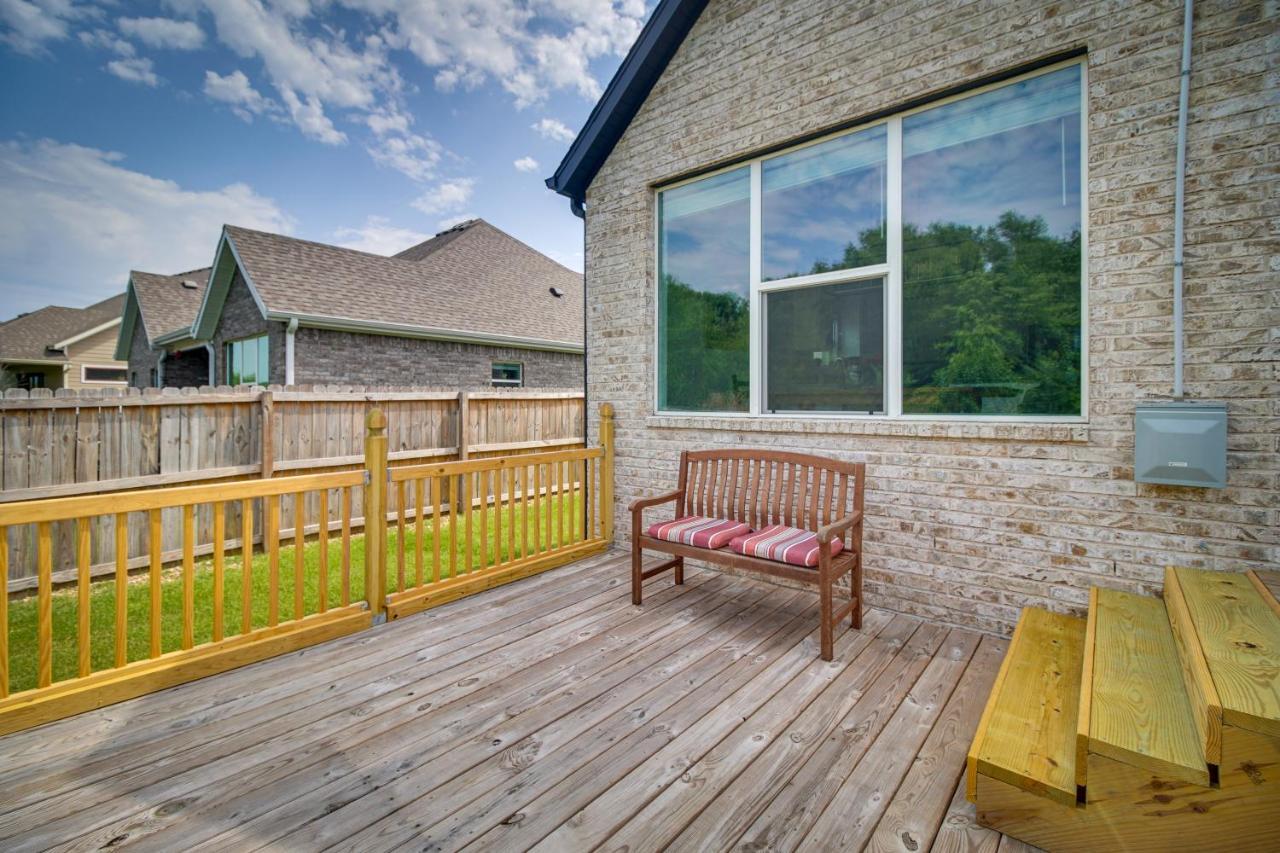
(643, 503)
(837, 528)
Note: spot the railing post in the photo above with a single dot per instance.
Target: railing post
(606, 471)
(462, 499)
(267, 418)
(375, 513)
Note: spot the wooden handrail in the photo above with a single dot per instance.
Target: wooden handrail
(495, 463)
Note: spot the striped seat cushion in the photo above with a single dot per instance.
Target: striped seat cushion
(783, 544)
(699, 531)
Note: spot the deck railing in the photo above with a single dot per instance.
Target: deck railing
(459, 527)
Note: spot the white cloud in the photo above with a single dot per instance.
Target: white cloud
(100, 219)
(135, 70)
(106, 40)
(163, 32)
(236, 90)
(446, 196)
(309, 116)
(526, 164)
(410, 154)
(378, 236)
(28, 24)
(550, 128)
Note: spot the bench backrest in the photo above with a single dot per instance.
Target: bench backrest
(763, 487)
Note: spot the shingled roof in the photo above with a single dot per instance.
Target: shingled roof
(473, 283)
(169, 303)
(32, 337)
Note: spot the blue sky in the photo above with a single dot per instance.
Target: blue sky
(130, 132)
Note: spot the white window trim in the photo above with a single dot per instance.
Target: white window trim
(891, 271)
(86, 367)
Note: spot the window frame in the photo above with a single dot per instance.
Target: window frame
(890, 271)
(228, 349)
(506, 383)
(84, 368)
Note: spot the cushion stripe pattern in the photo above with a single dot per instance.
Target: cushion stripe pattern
(699, 531)
(783, 544)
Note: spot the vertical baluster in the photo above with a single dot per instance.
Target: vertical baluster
(589, 493)
(271, 537)
(83, 639)
(536, 509)
(483, 487)
(802, 474)
(246, 568)
(188, 576)
(299, 551)
(549, 539)
(44, 604)
(156, 544)
(401, 494)
(498, 487)
(575, 488)
(4, 612)
(346, 546)
(511, 513)
(437, 506)
(219, 567)
(420, 508)
(122, 588)
(566, 502)
(453, 527)
(468, 490)
(322, 549)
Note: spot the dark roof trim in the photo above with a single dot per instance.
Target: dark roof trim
(640, 70)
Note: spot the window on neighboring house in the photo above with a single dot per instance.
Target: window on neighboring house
(507, 373)
(155, 378)
(29, 380)
(133, 379)
(113, 375)
(247, 361)
(928, 264)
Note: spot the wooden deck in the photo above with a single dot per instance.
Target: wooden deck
(551, 714)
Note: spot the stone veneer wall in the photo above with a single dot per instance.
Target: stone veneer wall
(966, 523)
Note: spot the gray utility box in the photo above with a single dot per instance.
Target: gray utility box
(1181, 444)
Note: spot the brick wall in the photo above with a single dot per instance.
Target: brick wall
(966, 523)
(324, 357)
(241, 318)
(142, 359)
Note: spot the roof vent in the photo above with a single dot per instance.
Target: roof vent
(189, 284)
(556, 292)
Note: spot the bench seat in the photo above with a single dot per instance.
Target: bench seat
(758, 489)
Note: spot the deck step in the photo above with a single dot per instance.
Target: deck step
(1027, 733)
(1236, 633)
(1134, 704)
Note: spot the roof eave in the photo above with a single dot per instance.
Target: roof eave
(640, 70)
(347, 324)
(87, 333)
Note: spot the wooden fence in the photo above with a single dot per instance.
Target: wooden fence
(65, 444)
(475, 524)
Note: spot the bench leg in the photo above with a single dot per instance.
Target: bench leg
(637, 580)
(855, 594)
(828, 629)
(680, 570)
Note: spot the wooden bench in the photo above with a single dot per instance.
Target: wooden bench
(761, 488)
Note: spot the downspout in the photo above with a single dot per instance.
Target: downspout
(579, 211)
(1180, 178)
(289, 332)
(213, 379)
(164, 353)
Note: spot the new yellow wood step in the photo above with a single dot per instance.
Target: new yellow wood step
(1026, 736)
(1236, 635)
(1133, 704)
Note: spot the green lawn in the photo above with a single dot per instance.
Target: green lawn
(102, 597)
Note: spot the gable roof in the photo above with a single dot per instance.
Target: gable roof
(166, 305)
(35, 336)
(662, 35)
(476, 284)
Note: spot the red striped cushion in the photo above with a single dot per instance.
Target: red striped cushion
(783, 544)
(698, 531)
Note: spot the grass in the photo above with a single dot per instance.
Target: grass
(102, 595)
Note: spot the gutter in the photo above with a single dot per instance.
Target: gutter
(342, 324)
(1180, 179)
(289, 331)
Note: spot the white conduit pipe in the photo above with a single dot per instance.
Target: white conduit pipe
(1178, 201)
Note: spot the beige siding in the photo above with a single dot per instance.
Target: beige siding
(966, 522)
(98, 350)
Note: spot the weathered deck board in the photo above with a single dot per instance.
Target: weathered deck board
(548, 712)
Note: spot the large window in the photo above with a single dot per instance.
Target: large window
(90, 373)
(507, 373)
(929, 264)
(247, 362)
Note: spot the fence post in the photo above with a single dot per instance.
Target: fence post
(375, 513)
(462, 500)
(606, 471)
(268, 434)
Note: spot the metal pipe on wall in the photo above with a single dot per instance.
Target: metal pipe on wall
(1180, 178)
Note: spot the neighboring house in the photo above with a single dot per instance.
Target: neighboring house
(939, 237)
(155, 333)
(57, 347)
(471, 307)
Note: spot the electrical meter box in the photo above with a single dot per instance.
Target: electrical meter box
(1181, 444)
